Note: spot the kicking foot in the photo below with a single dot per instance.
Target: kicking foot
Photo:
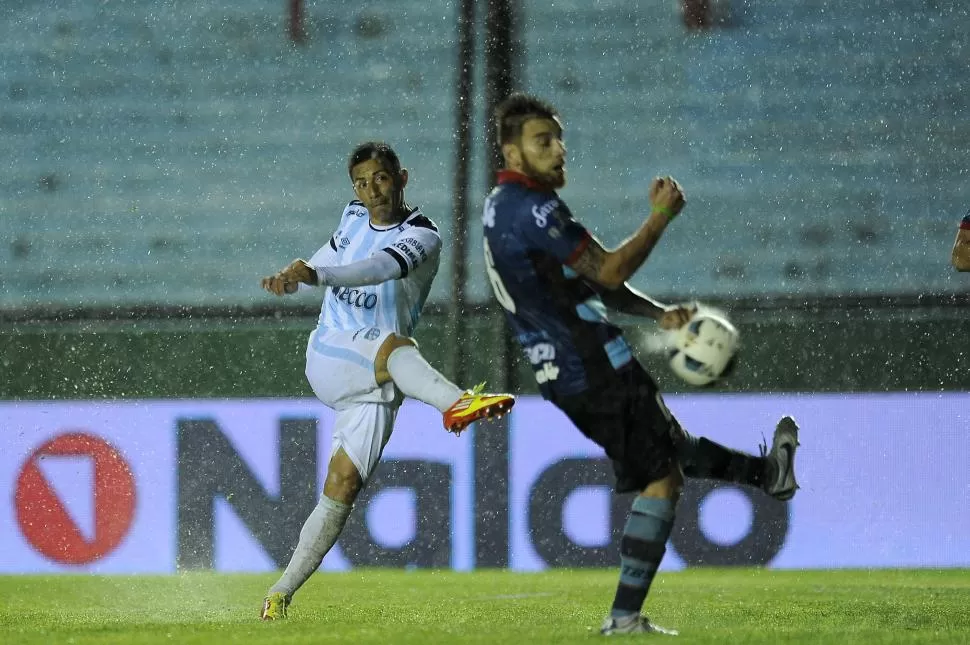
(475, 405)
(274, 606)
(782, 485)
(634, 624)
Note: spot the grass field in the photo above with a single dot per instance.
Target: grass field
(722, 607)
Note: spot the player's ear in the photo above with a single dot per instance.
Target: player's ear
(512, 154)
(404, 177)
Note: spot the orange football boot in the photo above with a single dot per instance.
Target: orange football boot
(475, 405)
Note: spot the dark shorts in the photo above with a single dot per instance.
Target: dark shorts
(626, 416)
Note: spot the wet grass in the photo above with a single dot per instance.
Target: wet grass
(721, 607)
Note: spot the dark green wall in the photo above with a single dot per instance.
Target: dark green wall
(826, 351)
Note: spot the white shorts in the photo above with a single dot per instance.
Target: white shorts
(340, 369)
(362, 431)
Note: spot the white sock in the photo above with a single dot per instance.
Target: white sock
(317, 537)
(418, 380)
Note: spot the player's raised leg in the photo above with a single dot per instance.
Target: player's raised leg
(400, 361)
(773, 471)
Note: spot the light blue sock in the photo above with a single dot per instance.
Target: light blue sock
(642, 547)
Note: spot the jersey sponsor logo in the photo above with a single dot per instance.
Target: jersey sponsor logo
(541, 213)
(407, 251)
(358, 212)
(540, 353)
(417, 246)
(356, 297)
(344, 242)
(488, 217)
(372, 333)
(548, 372)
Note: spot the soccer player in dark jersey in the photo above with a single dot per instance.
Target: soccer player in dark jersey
(960, 256)
(555, 281)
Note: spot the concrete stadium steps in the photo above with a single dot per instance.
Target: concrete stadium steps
(822, 146)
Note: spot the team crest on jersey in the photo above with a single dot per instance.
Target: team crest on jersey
(372, 333)
(344, 242)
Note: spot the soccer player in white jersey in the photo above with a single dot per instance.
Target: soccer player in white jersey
(360, 360)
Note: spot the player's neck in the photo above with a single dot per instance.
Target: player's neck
(514, 175)
(391, 219)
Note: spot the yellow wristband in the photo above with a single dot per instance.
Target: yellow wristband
(663, 210)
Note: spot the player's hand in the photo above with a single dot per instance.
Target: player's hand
(676, 316)
(288, 280)
(278, 286)
(666, 197)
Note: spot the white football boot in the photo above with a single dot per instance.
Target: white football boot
(782, 458)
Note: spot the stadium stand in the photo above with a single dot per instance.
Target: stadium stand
(173, 152)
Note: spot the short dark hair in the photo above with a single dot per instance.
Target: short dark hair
(374, 150)
(515, 110)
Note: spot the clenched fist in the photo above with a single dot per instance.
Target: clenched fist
(288, 280)
(667, 197)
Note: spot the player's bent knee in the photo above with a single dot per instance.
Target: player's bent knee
(342, 487)
(393, 341)
(343, 482)
(669, 487)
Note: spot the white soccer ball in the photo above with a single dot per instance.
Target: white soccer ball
(704, 348)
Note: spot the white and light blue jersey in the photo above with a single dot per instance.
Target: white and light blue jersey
(392, 305)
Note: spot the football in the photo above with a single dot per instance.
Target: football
(704, 349)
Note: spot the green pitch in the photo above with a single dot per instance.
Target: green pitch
(719, 607)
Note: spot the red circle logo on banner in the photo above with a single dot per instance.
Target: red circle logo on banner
(43, 518)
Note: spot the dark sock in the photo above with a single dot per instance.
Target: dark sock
(642, 548)
(705, 459)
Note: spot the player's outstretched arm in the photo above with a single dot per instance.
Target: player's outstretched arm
(612, 268)
(376, 269)
(628, 300)
(288, 280)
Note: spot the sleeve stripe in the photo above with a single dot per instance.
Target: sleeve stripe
(421, 221)
(333, 244)
(579, 250)
(400, 260)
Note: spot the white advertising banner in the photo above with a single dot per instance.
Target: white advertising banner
(154, 486)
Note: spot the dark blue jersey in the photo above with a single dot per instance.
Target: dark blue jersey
(556, 315)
